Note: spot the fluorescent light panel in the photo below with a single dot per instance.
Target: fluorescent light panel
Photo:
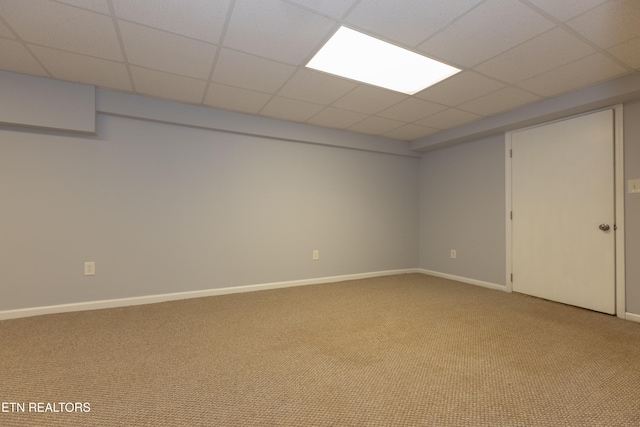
(360, 57)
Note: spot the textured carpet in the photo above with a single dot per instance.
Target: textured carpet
(406, 350)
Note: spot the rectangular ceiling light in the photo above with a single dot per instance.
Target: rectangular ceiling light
(369, 60)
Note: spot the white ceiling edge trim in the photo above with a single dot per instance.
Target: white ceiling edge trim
(611, 92)
(171, 112)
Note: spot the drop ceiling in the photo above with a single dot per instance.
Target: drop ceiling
(249, 55)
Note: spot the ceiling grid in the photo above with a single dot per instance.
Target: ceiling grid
(249, 56)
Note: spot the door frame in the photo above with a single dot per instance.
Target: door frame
(618, 166)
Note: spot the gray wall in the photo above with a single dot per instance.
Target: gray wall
(462, 204)
(632, 205)
(37, 102)
(163, 208)
(462, 199)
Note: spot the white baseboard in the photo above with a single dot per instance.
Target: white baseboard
(627, 316)
(632, 317)
(150, 299)
(465, 280)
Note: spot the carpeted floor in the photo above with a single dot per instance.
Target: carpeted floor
(406, 350)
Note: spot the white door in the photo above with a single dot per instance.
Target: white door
(563, 238)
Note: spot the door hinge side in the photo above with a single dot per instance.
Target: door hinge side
(511, 277)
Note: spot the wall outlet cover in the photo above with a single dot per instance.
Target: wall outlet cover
(90, 268)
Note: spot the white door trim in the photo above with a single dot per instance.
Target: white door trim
(618, 156)
(508, 214)
(619, 205)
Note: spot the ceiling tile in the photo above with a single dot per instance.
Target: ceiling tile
(290, 109)
(597, 24)
(248, 55)
(200, 19)
(411, 109)
(236, 99)
(313, 86)
(83, 69)
(409, 132)
(410, 22)
(490, 29)
(95, 5)
(62, 27)
(369, 99)
(170, 86)
(5, 32)
(21, 60)
(167, 52)
(376, 125)
(542, 53)
(333, 8)
(448, 118)
(499, 101)
(287, 33)
(583, 72)
(336, 118)
(460, 88)
(628, 52)
(565, 9)
(250, 72)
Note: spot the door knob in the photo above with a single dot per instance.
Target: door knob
(604, 227)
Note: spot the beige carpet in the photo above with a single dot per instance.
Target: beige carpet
(406, 350)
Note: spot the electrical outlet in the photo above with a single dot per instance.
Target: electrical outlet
(316, 255)
(90, 268)
(454, 254)
(634, 186)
